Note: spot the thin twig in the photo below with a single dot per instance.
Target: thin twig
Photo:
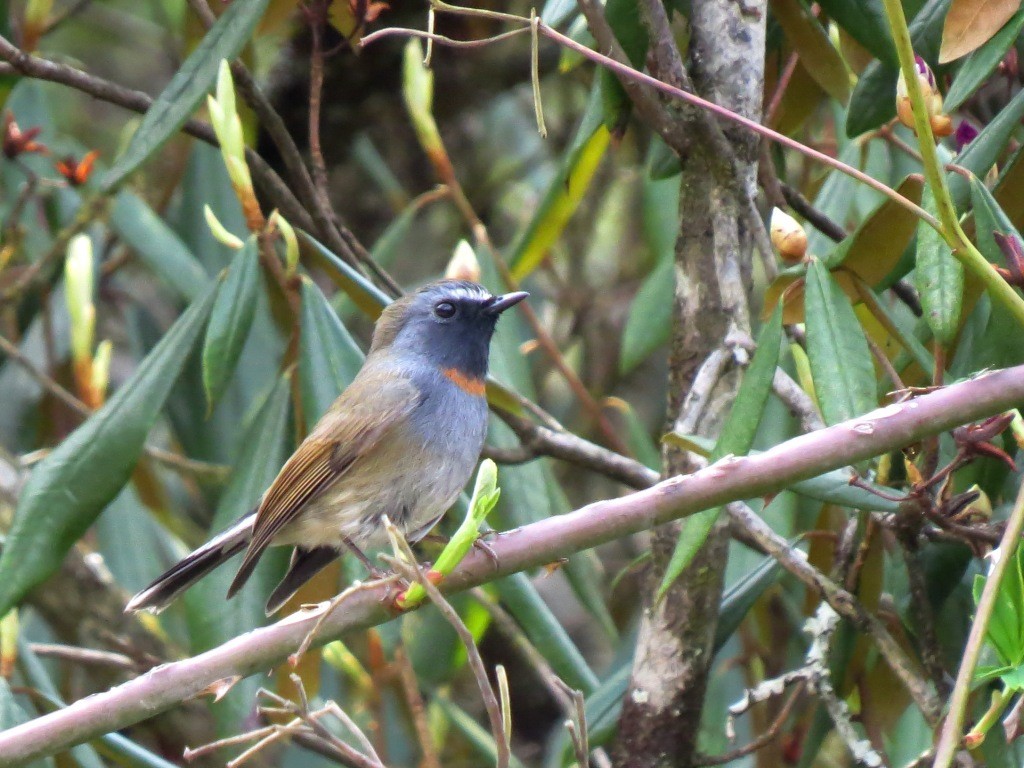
(413, 697)
(476, 662)
(763, 739)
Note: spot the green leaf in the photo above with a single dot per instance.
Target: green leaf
(865, 21)
(520, 597)
(563, 194)
(212, 619)
(978, 156)
(157, 245)
(844, 376)
(981, 63)
(190, 83)
(230, 320)
(649, 323)
(71, 486)
(328, 356)
(368, 297)
(940, 278)
(736, 439)
(811, 43)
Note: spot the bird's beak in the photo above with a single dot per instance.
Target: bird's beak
(501, 303)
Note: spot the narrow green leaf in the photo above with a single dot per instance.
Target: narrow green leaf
(978, 156)
(11, 714)
(982, 62)
(844, 376)
(182, 95)
(545, 632)
(329, 358)
(212, 619)
(157, 245)
(865, 21)
(71, 486)
(563, 194)
(230, 320)
(736, 439)
(368, 297)
(940, 278)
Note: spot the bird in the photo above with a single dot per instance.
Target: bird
(401, 440)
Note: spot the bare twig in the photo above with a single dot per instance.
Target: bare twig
(411, 688)
(77, 655)
(476, 662)
(763, 739)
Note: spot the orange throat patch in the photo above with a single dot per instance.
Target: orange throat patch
(470, 386)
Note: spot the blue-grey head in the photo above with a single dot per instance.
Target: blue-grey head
(448, 323)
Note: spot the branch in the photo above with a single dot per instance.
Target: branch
(875, 433)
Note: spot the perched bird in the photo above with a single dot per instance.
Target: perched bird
(402, 440)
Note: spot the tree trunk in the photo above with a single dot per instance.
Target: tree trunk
(662, 709)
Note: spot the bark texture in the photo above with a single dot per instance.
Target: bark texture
(662, 709)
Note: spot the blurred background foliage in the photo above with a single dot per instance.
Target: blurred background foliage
(586, 219)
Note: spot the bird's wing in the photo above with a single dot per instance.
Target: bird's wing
(355, 424)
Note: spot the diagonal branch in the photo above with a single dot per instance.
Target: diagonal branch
(878, 432)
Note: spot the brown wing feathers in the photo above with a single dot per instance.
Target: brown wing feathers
(323, 458)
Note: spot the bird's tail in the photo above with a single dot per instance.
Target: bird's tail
(180, 577)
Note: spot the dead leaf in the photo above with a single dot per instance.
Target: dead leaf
(970, 24)
(219, 688)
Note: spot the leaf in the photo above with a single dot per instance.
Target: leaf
(971, 23)
(819, 57)
(980, 154)
(982, 63)
(866, 23)
(157, 245)
(520, 597)
(875, 249)
(368, 297)
(230, 320)
(736, 439)
(940, 278)
(72, 485)
(649, 323)
(213, 620)
(844, 376)
(329, 358)
(190, 83)
(563, 194)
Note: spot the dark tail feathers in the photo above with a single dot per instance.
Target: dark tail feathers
(180, 577)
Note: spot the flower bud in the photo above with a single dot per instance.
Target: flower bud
(463, 264)
(788, 236)
(941, 124)
(78, 290)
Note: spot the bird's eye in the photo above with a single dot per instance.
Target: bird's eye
(444, 310)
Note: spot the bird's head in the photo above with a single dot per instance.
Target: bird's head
(448, 323)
